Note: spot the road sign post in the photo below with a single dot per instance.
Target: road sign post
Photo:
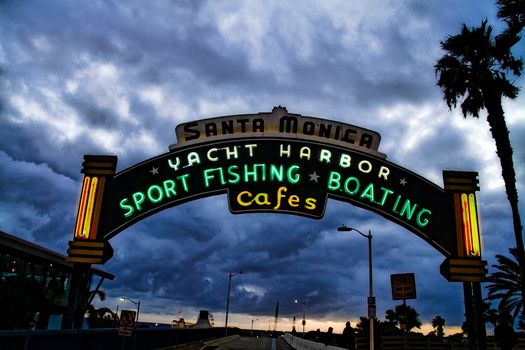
(127, 323)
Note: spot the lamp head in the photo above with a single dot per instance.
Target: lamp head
(344, 228)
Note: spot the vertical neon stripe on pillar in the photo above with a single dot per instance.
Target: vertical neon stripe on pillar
(89, 207)
(466, 223)
(476, 250)
(459, 225)
(82, 207)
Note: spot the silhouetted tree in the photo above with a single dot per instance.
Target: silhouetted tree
(513, 13)
(505, 284)
(474, 72)
(101, 318)
(438, 323)
(397, 317)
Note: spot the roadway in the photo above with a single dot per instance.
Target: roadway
(253, 343)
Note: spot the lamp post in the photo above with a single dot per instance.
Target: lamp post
(303, 304)
(137, 304)
(252, 326)
(230, 275)
(371, 299)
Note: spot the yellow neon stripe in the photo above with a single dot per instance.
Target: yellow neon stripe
(474, 224)
(82, 207)
(97, 208)
(466, 223)
(89, 207)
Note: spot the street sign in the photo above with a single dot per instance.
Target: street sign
(127, 323)
(371, 310)
(403, 286)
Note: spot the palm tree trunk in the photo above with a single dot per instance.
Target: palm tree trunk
(500, 134)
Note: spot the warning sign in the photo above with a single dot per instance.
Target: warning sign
(403, 286)
(127, 322)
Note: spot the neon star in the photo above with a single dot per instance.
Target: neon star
(314, 177)
(154, 171)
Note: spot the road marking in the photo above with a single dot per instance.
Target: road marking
(274, 347)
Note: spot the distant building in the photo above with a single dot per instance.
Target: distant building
(34, 284)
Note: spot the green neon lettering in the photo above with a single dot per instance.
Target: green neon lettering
(292, 174)
(160, 194)
(386, 193)
(357, 185)
(248, 173)
(408, 209)
(368, 192)
(138, 198)
(208, 175)
(232, 170)
(182, 179)
(394, 209)
(169, 188)
(276, 173)
(123, 205)
(334, 181)
(253, 172)
(423, 222)
(263, 170)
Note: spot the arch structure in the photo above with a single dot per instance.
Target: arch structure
(279, 162)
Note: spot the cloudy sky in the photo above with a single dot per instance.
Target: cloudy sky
(111, 77)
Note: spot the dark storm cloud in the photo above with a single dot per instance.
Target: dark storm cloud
(36, 203)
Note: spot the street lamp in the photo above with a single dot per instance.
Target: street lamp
(252, 326)
(303, 304)
(137, 304)
(230, 275)
(371, 299)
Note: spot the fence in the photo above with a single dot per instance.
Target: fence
(398, 343)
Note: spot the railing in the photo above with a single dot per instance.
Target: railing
(398, 343)
(431, 343)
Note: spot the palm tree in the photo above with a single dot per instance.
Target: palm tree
(404, 316)
(474, 72)
(439, 323)
(505, 284)
(513, 13)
